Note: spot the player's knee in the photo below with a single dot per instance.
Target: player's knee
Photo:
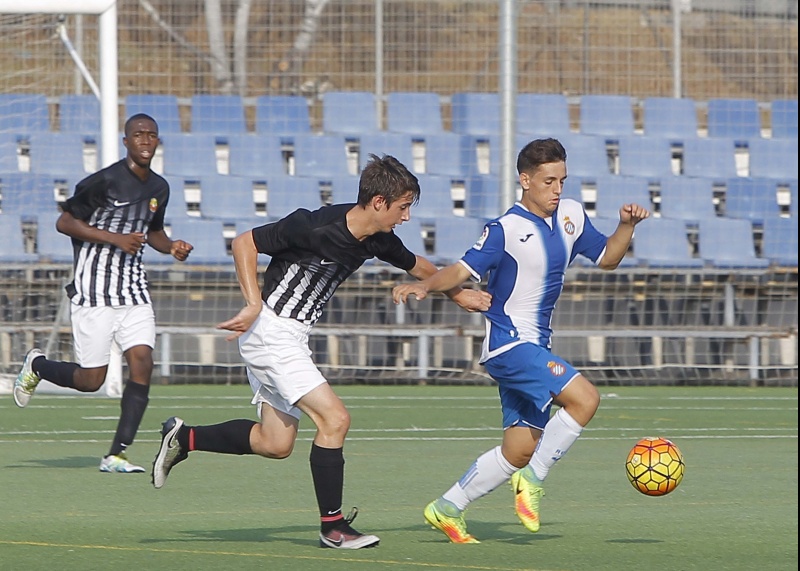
(336, 423)
(90, 380)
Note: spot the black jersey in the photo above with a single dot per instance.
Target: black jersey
(117, 200)
(312, 253)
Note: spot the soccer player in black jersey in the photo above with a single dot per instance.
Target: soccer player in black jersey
(113, 214)
(312, 253)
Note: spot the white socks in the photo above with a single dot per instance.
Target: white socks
(489, 471)
(560, 432)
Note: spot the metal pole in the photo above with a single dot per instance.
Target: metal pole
(379, 62)
(109, 107)
(676, 49)
(508, 95)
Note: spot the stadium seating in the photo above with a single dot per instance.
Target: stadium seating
(285, 194)
(573, 188)
(482, 197)
(320, 155)
(783, 118)
(753, 199)
(57, 152)
(608, 226)
(189, 154)
(226, 198)
(773, 158)
(410, 232)
(737, 119)
(79, 114)
(586, 155)
(282, 115)
(435, 198)
(645, 156)
(51, 245)
(29, 193)
(24, 113)
(343, 188)
(9, 152)
(255, 155)
(669, 117)
(475, 113)
(663, 242)
(163, 108)
(218, 114)
(445, 154)
(779, 241)
(415, 113)
(349, 112)
(206, 236)
(454, 235)
(728, 243)
(542, 114)
(688, 199)
(711, 158)
(12, 238)
(613, 191)
(793, 198)
(398, 145)
(606, 115)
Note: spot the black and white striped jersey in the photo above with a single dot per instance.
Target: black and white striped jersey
(313, 253)
(117, 200)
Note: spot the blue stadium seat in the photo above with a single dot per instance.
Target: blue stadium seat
(177, 192)
(12, 238)
(343, 188)
(285, 194)
(57, 153)
(475, 113)
(349, 112)
(663, 242)
(410, 232)
(255, 155)
(320, 155)
(399, 145)
(9, 152)
(783, 118)
(613, 191)
(218, 114)
(28, 193)
(793, 200)
(226, 198)
(24, 113)
(645, 156)
(608, 226)
(586, 155)
(669, 117)
(482, 197)
(435, 199)
(607, 115)
(753, 199)
(444, 154)
(737, 119)
(689, 199)
(542, 114)
(779, 242)
(454, 235)
(79, 114)
(711, 158)
(573, 188)
(206, 236)
(282, 115)
(189, 154)
(163, 108)
(51, 245)
(773, 158)
(728, 243)
(414, 112)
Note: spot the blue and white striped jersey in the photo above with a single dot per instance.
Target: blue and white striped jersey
(526, 257)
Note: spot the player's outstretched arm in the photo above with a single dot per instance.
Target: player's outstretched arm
(245, 257)
(446, 280)
(629, 216)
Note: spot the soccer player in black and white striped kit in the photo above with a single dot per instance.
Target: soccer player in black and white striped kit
(312, 253)
(112, 215)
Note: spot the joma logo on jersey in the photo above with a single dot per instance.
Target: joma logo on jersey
(569, 226)
(556, 369)
(153, 205)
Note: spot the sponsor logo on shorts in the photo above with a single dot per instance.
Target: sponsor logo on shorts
(556, 369)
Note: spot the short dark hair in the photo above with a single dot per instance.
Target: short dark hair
(136, 117)
(386, 177)
(539, 152)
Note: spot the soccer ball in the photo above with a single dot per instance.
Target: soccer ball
(655, 466)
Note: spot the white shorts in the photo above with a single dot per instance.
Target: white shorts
(94, 329)
(278, 359)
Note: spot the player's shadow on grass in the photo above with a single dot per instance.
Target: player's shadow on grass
(299, 535)
(68, 462)
(635, 540)
(508, 533)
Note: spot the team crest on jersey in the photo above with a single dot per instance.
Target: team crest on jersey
(153, 205)
(556, 369)
(569, 226)
(479, 244)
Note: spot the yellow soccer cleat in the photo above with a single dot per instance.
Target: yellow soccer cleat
(452, 524)
(526, 500)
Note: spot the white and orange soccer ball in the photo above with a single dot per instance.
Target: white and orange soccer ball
(655, 466)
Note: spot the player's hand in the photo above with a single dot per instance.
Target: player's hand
(130, 243)
(400, 293)
(180, 250)
(633, 214)
(241, 322)
(473, 300)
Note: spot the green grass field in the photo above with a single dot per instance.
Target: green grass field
(735, 509)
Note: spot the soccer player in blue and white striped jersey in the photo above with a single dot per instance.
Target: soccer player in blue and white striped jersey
(525, 253)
